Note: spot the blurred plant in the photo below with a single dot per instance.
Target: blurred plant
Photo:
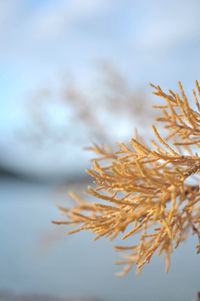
(67, 112)
(151, 190)
(198, 297)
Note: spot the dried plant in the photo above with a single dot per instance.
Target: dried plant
(150, 190)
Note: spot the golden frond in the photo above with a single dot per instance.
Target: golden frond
(145, 189)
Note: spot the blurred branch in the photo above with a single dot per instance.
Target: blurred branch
(68, 113)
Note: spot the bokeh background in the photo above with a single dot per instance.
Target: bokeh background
(75, 72)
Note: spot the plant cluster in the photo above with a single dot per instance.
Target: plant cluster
(150, 190)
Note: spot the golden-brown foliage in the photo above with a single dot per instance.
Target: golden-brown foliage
(148, 188)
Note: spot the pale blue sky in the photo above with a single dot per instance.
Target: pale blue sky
(150, 41)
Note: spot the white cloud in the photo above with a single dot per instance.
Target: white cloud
(60, 16)
(27, 32)
(167, 24)
(7, 10)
